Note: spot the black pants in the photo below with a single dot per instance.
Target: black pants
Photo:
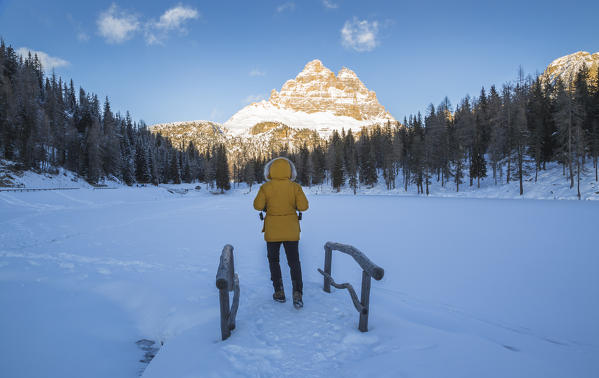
(292, 252)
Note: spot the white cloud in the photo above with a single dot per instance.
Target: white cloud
(172, 19)
(48, 62)
(288, 6)
(257, 72)
(329, 4)
(253, 98)
(360, 35)
(116, 25)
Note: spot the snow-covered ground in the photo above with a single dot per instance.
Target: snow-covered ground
(551, 184)
(11, 178)
(472, 287)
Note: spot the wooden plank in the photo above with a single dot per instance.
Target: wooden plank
(226, 269)
(234, 305)
(225, 331)
(328, 257)
(371, 268)
(365, 300)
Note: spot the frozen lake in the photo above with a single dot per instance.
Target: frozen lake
(472, 287)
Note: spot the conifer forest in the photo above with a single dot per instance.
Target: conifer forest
(508, 133)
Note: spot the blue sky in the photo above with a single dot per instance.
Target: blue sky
(174, 61)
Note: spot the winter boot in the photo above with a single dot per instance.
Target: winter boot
(279, 296)
(297, 300)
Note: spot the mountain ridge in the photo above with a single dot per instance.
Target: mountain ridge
(307, 110)
(567, 66)
(316, 99)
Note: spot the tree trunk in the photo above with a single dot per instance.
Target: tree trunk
(442, 178)
(520, 152)
(495, 173)
(578, 174)
(537, 162)
(470, 168)
(570, 151)
(509, 166)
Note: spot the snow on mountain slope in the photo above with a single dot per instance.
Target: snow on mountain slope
(316, 99)
(568, 66)
(323, 122)
(203, 134)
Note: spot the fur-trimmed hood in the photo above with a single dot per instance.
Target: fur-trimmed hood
(292, 174)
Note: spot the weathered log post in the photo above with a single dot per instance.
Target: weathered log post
(369, 269)
(365, 300)
(226, 281)
(328, 257)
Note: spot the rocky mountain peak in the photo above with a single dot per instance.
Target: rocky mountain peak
(317, 89)
(568, 66)
(314, 65)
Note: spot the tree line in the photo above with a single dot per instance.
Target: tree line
(507, 132)
(45, 124)
(511, 131)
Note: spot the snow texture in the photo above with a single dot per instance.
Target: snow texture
(472, 287)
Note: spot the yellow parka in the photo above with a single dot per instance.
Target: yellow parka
(281, 197)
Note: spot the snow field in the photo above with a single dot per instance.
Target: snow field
(472, 287)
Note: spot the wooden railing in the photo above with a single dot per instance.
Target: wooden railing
(226, 281)
(369, 269)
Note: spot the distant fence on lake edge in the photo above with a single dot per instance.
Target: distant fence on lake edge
(43, 189)
(33, 189)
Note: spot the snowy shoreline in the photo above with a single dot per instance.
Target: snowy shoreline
(551, 185)
(510, 284)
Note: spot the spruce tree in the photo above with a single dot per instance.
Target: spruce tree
(174, 169)
(318, 165)
(303, 166)
(223, 180)
(142, 166)
(351, 161)
(368, 174)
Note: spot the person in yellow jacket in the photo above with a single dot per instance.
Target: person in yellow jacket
(281, 198)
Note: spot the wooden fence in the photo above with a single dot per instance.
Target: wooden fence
(32, 189)
(226, 281)
(369, 269)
